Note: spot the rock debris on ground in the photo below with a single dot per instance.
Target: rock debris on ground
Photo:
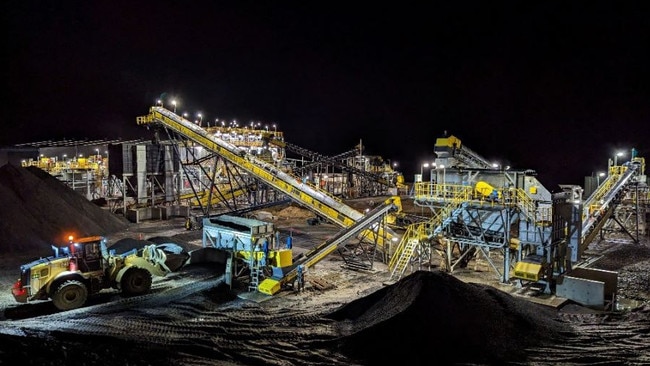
(427, 317)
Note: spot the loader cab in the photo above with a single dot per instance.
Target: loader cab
(87, 253)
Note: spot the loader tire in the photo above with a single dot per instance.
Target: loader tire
(136, 281)
(70, 295)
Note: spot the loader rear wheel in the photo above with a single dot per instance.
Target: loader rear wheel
(70, 295)
(136, 281)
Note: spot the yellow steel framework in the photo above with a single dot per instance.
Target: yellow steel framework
(415, 233)
(205, 197)
(307, 195)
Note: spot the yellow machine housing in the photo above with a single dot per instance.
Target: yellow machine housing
(515, 243)
(270, 286)
(529, 269)
(276, 258)
(448, 142)
(485, 190)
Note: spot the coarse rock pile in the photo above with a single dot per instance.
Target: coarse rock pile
(632, 262)
(624, 256)
(38, 210)
(293, 212)
(435, 318)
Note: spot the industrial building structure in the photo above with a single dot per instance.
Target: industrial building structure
(540, 238)
(504, 216)
(168, 176)
(476, 208)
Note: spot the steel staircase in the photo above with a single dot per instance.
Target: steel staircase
(427, 229)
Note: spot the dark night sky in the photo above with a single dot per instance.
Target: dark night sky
(556, 87)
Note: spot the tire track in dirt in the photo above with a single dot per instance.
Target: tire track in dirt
(197, 331)
(86, 317)
(606, 338)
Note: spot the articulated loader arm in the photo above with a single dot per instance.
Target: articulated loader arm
(150, 258)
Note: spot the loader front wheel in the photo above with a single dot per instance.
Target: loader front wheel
(70, 295)
(136, 281)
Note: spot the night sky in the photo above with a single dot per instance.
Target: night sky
(556, 87)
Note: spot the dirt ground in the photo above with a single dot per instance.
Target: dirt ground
(343, 316)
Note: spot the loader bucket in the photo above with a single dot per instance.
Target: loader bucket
(176, 261)
(207, 255)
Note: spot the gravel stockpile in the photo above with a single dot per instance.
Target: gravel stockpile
(38, 210)
(434, 316)
(624, 256)
(632, 262)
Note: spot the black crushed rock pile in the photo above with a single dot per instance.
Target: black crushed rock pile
(435, 318)
(38, 210)
(126, 244)
(623, 256)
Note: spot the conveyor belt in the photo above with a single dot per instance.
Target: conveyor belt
(309, 196)
(598, 204)
(336, 161)
(272, 285)
(451, 147)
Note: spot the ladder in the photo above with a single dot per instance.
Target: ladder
(411, 239)
(404, 258)
(256, 270)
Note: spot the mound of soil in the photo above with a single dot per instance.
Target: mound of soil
(293, 212)
(624, 256)
(433, 316)
(124, 245)
(38, 210)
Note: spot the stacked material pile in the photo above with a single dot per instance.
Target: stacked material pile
(38, 210)
(434, 318)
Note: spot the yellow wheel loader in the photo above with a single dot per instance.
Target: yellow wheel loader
(85, 267)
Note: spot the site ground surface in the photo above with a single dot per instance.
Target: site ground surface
(192, 318)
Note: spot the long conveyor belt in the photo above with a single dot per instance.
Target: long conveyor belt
(451, 147)
(272, 285)
(325, 159)
(598, 204)
(305, 194)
